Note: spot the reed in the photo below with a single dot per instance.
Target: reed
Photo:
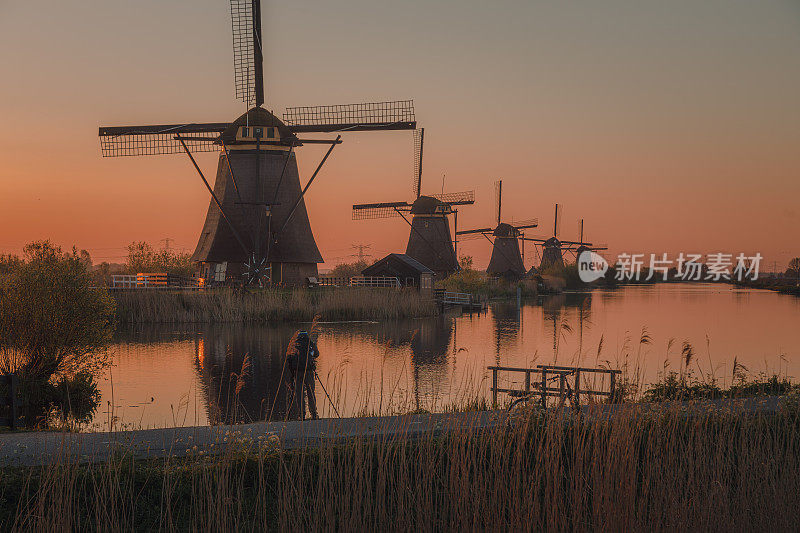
(654, 470)
(269, 305)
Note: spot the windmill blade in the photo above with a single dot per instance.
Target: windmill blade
(380, 210)
(525, 224)
(120, 141)
(375, 116)
(248, 61)
(474, 231)
(419, 139)
(535, 239)
(498, 199)
(456, 198)
(471, 237)
(575, 243)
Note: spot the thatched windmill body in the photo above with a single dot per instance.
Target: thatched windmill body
(506, 260)
(257, 228)
(430, 241)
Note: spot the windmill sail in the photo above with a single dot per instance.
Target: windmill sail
(456, 198)
(380, 210)
(372, 116)
(419, 139)
(247, 52)
(159, 139)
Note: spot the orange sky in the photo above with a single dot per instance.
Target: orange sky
(668, 126)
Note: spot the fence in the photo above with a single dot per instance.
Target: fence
(361, 281)
(9, 402)
(463, 299)
(154, 281)
(548, 373)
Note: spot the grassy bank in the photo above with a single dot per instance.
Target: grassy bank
(269, 305)
(479, 283)
(653, 471)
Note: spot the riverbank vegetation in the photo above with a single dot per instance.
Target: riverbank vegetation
(640, 470)
(269, 305)
(54, 328)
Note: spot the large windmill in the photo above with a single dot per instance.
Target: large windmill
(257, 228)
(552, 247)
(506, 260)
(430, 241)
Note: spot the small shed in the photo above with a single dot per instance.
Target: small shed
(408, 270)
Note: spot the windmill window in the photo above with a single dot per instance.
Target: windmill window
(245, 132)
(258, 133)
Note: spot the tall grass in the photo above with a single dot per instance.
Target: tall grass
(271, 305)
(637, 470)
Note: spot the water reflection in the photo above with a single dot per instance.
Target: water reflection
(217, 374)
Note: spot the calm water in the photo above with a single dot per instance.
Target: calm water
(166, 376)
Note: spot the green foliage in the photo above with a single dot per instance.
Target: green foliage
(686, 386)
(9, 263)
(794, 268)
(51, 319)
(54, 328)
(479, 283)
(143, 258)
(348, 270)
(465, 261)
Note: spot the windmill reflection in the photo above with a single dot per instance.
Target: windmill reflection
(568, 313)
(240, 370)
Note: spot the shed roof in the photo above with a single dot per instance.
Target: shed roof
(397, 260)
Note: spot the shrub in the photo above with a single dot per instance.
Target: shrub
(53, 324)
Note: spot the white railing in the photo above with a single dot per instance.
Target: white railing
(153, 281)
(457, 298)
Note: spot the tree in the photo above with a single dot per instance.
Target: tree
(794, 268)
(54, 326)
(9, 263)
(53, 321)
(143, 258)
(348, 270)
(465, 261)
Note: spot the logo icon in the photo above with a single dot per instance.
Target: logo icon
(591, 266)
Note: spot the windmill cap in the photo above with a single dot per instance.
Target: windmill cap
(505, 230)
(258, 116)
(426, 205)
(552, 241)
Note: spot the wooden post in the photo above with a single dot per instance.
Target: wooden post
(577, 387)
(562, 382)
(527, 382)
(544, 388)
(494, 388)
(12, 400)
(612, 387)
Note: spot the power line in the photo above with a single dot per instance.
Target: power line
(360, 253)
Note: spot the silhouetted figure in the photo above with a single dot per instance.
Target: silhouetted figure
(301, 359)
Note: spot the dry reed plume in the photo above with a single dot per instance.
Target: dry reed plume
(637, 470)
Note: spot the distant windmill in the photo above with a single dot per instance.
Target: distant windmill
(430, 241)
(506, 260)
(577, 251)
(552, 247)
(257, 228)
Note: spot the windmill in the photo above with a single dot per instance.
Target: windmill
(430, 240)
(257, 228)
(506, 260)
(552, 247)
(584, 247)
